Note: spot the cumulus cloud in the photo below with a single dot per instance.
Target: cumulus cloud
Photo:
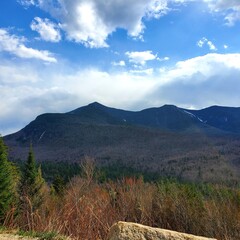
(206, 65)
(140, 57)
(16, 46)
(91, 22)
(48, 30)
(199, 82)
(209, 43)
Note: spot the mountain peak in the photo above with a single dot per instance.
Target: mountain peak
(170, 106)
(96, 104)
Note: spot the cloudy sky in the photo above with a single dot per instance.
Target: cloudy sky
(57, 55)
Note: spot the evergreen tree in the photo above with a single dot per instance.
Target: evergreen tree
(32, 182)
(58, 185)
(7, 182)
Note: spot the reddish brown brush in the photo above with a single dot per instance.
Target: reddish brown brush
(87, 209)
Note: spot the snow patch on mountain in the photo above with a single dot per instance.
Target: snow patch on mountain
(194, 116)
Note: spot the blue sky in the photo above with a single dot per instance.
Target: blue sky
(57, 55)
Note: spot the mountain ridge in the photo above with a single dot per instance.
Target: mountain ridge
(98, 113)
(124, 116)
(171, 141)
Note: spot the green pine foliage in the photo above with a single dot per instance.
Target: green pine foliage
(8, 182)
(32, 182)
(58, 185)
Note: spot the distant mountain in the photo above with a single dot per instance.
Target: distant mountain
(189, 144)
(168, 117)
(224, 118)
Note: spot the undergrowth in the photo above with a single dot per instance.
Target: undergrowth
(85, 209)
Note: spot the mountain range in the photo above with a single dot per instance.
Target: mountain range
(199, 145)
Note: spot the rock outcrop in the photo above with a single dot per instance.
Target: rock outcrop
(134, 231)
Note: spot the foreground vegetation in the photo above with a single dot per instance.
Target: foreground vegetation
(85, 208)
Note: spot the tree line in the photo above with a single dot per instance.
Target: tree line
(19, 190)
(88, 204)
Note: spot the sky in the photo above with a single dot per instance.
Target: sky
(58, 55)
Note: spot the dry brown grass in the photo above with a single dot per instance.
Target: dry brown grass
(87, 209)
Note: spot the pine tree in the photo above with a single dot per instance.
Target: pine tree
(58, 185)
(7, 182)
(32, 182)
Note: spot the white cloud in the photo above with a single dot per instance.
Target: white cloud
(140, 57)
(201, 42)
(148, 71)
(211, 46)
(233, 17)
(157, 9)
(21, 75)
(208, 65)
(48, 30)
(230, 8)
(51, 89)
(26, 3)
(107, 87)
(163, 59)
(15, 45)
(199, 82)
(27, 91)
(204, 41)
(225, 46)
(120, 63)
(91, 22)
